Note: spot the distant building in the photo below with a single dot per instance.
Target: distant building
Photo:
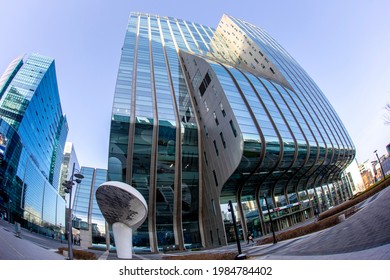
(353, 175)
(377, 170)
(386, 165)
(69, 159)
(367, 171)
(384, 162)
(33, 132)
(86, 215)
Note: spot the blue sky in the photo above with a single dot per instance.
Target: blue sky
(343, 45)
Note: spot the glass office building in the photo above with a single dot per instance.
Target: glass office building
(205, 115)
(33, 136)
(69, 158)
(86, 215)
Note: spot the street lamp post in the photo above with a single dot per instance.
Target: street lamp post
(68, 189)
(60, 233)
(270, 219)
(380, 164)
(9, 211)
(231, 210)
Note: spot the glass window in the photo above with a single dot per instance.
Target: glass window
(215, 178)
(223, 140)
(216, 118)
(233, 128)
(222, 110)
(215, 147)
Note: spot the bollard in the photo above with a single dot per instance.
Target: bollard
(341, 218)
(17, 229)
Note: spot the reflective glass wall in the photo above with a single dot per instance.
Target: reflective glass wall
(86, 215)
(26, 196)
(202, 116)
(30, 104)
(154, 136)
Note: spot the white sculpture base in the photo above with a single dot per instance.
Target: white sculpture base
(123, 236)
(125, 209)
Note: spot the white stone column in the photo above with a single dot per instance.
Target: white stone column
(123, 236)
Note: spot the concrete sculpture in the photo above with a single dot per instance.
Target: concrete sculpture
(125, 209)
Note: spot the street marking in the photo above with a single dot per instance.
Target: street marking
(104, 256)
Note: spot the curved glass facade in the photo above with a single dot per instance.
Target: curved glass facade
(202, 116)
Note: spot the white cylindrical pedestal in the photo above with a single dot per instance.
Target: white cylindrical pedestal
(125, 209)
(123, 236)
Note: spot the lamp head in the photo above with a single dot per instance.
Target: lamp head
(79, 176)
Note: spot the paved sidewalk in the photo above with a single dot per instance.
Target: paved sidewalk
(377, 253)
(363, 236)
(45, 249)
(14, 247)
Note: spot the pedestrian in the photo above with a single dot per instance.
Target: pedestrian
(316, 213)
(250, 238)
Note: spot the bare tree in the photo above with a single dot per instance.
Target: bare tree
(387, 114)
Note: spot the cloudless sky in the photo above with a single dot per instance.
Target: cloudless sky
(343, 45)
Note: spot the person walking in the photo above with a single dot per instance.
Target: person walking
(250, 238)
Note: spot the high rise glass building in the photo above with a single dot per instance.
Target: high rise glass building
(205, 115)
(33, 136)
(68, 160)
(30, 103)
(86, 215)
